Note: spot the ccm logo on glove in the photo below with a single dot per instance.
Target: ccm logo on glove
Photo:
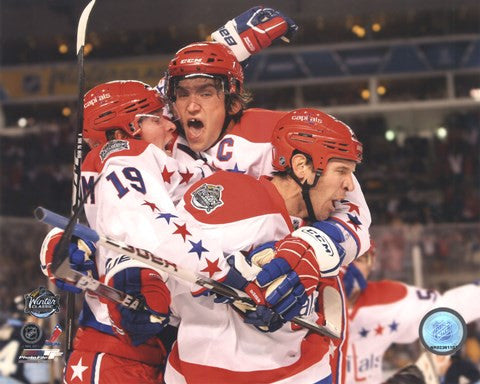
(324, 240)
(324, 248)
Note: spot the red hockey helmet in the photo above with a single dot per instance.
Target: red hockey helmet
(205, 59)
(316, 134)
(116, 104)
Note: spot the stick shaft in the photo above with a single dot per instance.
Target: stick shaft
(171, 268)
(87, 282)
(77, 159)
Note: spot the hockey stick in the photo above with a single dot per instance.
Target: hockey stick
(77, 158)
(89, 283)
(169, 267)
(61, 268)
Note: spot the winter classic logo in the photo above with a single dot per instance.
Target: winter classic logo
(208, 197)
(41, 303)
(112, 147)
(443, 331)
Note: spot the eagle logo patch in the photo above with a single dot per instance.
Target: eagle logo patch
(207, 197)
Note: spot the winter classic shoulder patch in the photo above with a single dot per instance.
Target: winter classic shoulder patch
(112, 147)
(207, 197)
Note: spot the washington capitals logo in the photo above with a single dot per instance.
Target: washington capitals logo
(308, 118)
(208, 197)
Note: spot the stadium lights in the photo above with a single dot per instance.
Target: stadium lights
(66, 111)
(381, 90)
(22, 122)
(358, 31)
(87, 48)
(365, 94)
(475, 94)
(442, 133)
(376, 27)
(390, 135)
(63, 48)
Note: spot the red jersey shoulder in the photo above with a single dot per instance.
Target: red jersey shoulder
(97, 157)
(256, 125)
(226, 197)
(382, 292)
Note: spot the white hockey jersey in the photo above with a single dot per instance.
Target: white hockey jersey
(246, 148)
(132, 203)
(214, 345)
(390, 312)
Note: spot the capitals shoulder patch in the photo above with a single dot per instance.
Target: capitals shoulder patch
(207, 197)
(112, 147)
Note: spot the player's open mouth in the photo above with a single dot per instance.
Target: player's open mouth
(195, 127)
(333, 204)
(168, 145)
(195, 124)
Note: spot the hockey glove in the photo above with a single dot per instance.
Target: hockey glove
(81, 253)
(261, 316)
(300, 262)
(254, 30)
(137, 326)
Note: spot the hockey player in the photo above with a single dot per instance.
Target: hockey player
(205, 84)
(132, 203)
(315, 156)
(174, 180)
(115, 114)
(385, 312)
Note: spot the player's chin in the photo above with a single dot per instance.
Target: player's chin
(324, 214)
(196, 143)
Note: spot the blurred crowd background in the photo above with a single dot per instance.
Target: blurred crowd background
(404, 75)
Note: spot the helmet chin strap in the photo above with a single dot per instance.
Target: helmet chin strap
(306, 192)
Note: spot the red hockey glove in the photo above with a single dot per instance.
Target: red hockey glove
(137, 326)
(303, 257)
(254, 30)
(81, 253)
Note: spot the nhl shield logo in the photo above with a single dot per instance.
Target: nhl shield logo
(208, 197)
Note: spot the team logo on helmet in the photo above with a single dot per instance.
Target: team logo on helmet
(97, 99)
(308, 118)
(41, 303)
(208, 197)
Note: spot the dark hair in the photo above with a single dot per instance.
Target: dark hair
(110, 134)
(242, 98)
